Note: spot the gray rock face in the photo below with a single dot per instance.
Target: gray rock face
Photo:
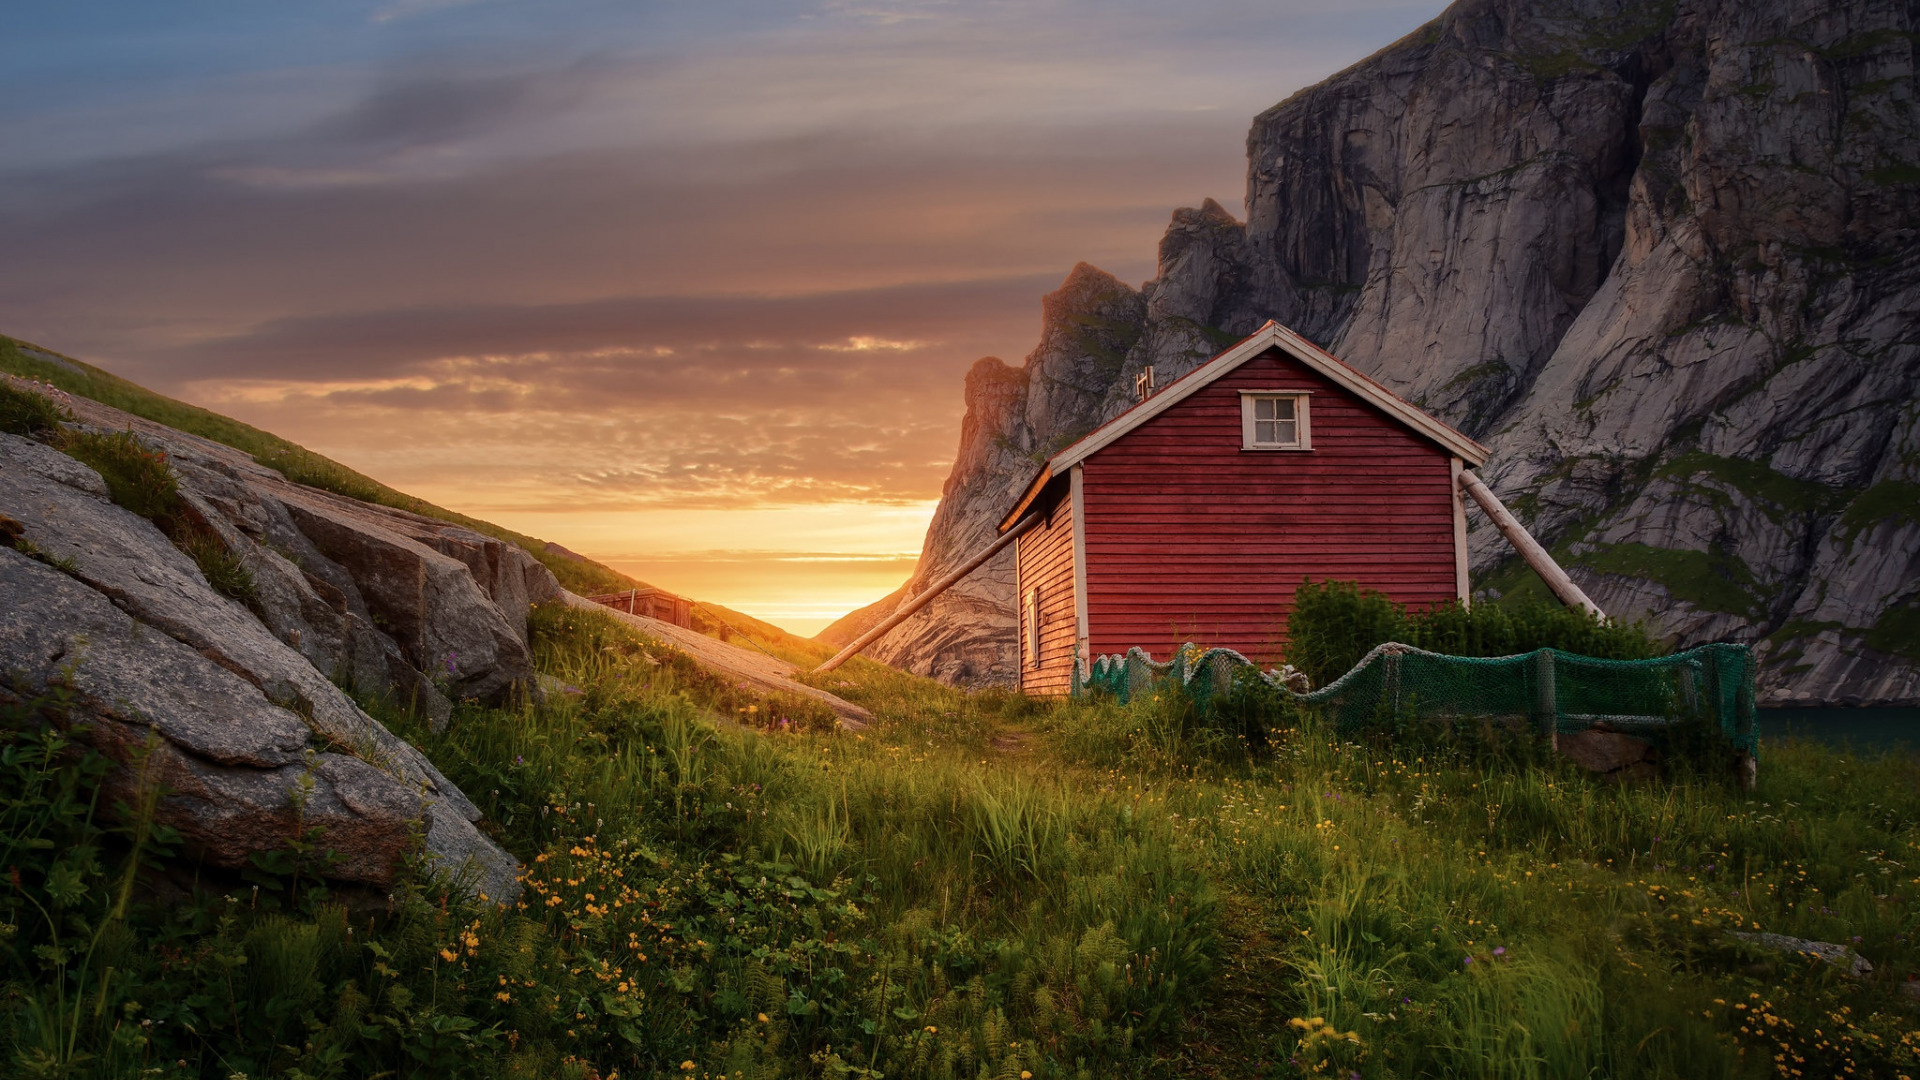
(1848, 961)
(1661, 260)
(226, 708)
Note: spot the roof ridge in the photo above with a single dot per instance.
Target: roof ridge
(1271, 334)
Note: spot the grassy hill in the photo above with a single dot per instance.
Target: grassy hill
(297, 463)
(987, 885)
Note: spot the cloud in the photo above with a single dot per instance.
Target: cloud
(406, 9)
(177, 247)
(847, 330)
(682, 259)
(657, 401)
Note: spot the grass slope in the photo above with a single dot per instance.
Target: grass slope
(986, 885)
(296, 463)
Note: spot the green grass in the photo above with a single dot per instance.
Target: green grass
(23, 412)
(143, 481)
(1775, 493)
(1710, 580)
(1460, 915)
(1889, 500)
(980, 884)
(137, 478)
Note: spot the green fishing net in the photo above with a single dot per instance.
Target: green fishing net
(1547, 690)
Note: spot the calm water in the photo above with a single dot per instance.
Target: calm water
(1863, 729)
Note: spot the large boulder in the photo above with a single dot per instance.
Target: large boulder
(226, 708)
(388, 599)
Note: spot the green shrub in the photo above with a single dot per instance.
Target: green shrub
(1335, 623)
(1498, 629)
(23, 412)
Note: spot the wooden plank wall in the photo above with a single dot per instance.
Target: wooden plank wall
(1191, 538)
(1045, 560)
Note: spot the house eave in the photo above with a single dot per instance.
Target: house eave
(1028, 498)
(1272, 335)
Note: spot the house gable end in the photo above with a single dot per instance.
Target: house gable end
(1270, 336)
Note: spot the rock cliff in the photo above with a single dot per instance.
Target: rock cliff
(230, 705)
(1661, 258)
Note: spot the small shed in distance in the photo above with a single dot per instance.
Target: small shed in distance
(1194, 515)
(652, 603)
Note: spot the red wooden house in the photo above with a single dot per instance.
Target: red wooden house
(1194, 515)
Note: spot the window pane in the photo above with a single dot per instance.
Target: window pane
(1282, 408)
(1286, 432)
(1263, 408)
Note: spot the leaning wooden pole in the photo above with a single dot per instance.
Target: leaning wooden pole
(1529, 548)
(900, 613)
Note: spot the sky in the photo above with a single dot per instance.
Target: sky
(689, 288)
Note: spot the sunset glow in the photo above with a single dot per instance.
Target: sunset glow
(689, 290)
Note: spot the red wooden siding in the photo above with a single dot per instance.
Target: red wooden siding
(1191, 538)
(1045, 560)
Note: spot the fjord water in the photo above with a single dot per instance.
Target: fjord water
(1868, 730)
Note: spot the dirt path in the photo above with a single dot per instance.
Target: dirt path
(754, 668)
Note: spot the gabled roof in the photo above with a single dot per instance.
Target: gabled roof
(1272, 335)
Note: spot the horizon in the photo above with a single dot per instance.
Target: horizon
(689, 292)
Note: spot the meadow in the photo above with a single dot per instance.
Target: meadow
(980, 885)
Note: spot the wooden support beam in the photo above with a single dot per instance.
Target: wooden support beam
(906, 609)
(1529, 548)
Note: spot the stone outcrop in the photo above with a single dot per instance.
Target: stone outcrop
(1849, 962)
(1661, 259)
(230, 707)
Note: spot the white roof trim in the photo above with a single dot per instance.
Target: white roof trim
(1269, 336)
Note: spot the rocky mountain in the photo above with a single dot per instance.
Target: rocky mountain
(227, 701)
(1660, 257)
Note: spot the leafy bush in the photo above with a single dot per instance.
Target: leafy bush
(23, 412)
(1334, 624)
(1504, 629)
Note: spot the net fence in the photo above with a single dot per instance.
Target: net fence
(1547, 690)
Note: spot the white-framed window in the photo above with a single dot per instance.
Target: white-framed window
(1033, 626)
(1275, 420)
